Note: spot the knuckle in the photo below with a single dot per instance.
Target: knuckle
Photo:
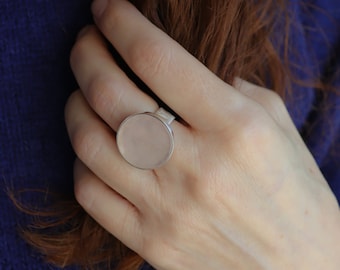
(256, 134)
(254, 130)
(103, 95)
(150, 57)
(274, 100)
(114, 16)
(78, 51)
(70, 110)
(72, 99)
(86, 143)
(275, 106)
(98, 92)
(82, 192)
(82, 184)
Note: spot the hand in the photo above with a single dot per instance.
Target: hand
(241, 190)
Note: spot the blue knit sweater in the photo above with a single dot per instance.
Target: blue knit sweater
(35, 80)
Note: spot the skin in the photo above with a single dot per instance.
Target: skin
(241, 190)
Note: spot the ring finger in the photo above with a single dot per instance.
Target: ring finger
(107, 89)
(95, 146)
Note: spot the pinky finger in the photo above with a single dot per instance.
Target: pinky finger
(113, 212)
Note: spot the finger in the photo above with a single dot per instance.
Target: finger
(116, 214)
(106, 87)
(94, 144)
(175, 76)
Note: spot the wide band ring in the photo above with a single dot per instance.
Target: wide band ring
(146, 140)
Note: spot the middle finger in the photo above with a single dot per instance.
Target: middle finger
(106, 87)
(175, 76)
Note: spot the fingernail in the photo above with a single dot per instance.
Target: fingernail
(98, 7)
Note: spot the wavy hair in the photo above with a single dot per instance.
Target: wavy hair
(233, 38)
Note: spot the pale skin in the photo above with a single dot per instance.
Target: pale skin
(241, 190)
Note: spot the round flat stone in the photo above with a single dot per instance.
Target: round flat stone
(145, 141)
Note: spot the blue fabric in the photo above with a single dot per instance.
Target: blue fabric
(35, 80)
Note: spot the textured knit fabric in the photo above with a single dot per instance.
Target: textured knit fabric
(35, 80)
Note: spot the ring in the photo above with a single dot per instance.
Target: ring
(146, 140)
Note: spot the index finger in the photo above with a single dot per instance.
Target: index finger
(175, 76)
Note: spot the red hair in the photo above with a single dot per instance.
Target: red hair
(232, 38)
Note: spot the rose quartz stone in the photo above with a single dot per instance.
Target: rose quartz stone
(145, 141)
